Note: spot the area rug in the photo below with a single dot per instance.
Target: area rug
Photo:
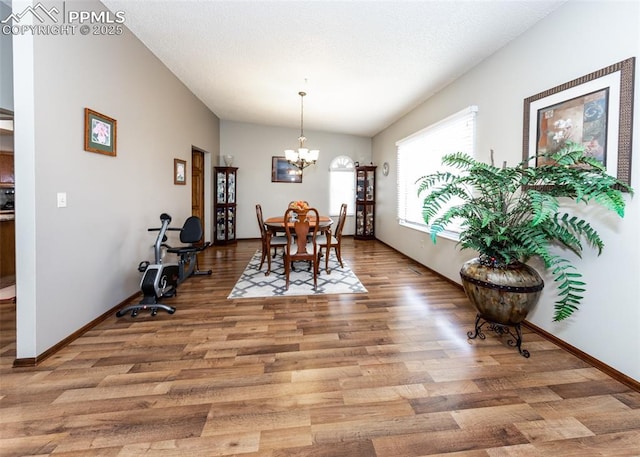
(253, 282)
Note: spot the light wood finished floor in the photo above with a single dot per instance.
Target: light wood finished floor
(389, 374)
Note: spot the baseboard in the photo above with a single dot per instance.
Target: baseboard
(615, 374)
(33, 361)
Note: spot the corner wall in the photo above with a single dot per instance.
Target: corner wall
(554, 51)
(75, 263)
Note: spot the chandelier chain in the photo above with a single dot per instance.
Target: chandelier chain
(302, 138)
(303, 157)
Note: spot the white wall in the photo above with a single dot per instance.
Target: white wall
(75, 263)
(558, 49)
(253, 146)
(6, 55)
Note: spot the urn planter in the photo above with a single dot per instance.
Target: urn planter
(503, 295)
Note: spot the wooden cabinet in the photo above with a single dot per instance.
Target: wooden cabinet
(7, 178)
(365, 202)
(224, 206)
(7, 252)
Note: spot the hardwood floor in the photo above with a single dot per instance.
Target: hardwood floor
(389, 373)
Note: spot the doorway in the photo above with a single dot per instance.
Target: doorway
(197, 185)
(7, 239)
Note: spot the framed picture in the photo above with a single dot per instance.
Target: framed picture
(595, 110)
(179, 172)
(100, 133)
(283, 171)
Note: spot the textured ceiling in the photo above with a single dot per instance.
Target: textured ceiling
(363, 64)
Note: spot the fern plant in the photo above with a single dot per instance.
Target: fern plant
(512, 214)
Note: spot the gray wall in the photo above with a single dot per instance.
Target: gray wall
(75, 263)
(6, 56)
(555, 51)
(253, 146)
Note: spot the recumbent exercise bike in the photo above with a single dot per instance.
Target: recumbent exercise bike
(161, 280)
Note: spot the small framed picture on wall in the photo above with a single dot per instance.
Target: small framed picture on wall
(179, 172)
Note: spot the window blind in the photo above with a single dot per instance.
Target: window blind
(421, 154)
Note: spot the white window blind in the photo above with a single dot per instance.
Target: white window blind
(342, 185)
(421, 154)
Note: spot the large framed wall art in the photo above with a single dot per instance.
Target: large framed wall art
(283, 171)
(595, 110)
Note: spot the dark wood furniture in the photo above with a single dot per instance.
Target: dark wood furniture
(301, 242)
(224, 206)
(7, 177)
(268, 241)
(328, 241)
(365, 202)
(7, 249)
(275, 225)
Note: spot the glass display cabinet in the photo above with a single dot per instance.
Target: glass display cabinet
(365, 202)
(224, 206)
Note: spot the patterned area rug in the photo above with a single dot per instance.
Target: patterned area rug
(253, 282)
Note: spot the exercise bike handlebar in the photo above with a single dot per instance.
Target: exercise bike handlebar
(157, 248)
(169, 229)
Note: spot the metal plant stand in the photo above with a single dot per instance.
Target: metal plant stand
(500, 329)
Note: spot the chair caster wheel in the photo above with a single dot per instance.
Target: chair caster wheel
(171, 311)
(154, 311)
(134, 313)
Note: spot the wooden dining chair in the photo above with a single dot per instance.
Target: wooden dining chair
(329, 240)
(269, 241)
(301, 243)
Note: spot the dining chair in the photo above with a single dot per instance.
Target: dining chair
(329, 240)
(301, 243)
(268, 241)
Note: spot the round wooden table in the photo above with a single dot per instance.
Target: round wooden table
(275, 224)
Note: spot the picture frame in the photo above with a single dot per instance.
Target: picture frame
(595, 110)
(179, 172)
(100, 133)
(283, 171)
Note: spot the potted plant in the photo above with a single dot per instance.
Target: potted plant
(510, 215)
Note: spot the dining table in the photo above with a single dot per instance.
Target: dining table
(275, 225)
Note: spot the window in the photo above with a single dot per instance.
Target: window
(421, 154)
(341, 185)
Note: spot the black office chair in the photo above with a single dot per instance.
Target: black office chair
(190, 234)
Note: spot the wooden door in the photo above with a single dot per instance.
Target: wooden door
(197, 186)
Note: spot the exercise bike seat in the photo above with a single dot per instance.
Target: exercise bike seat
(190, 234)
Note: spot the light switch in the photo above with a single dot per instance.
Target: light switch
(62, 199)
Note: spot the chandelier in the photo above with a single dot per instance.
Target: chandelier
(302, 157)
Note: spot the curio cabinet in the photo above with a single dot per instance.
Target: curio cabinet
(224, 207)
(365, 202)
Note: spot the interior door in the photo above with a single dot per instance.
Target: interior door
(197, 186)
